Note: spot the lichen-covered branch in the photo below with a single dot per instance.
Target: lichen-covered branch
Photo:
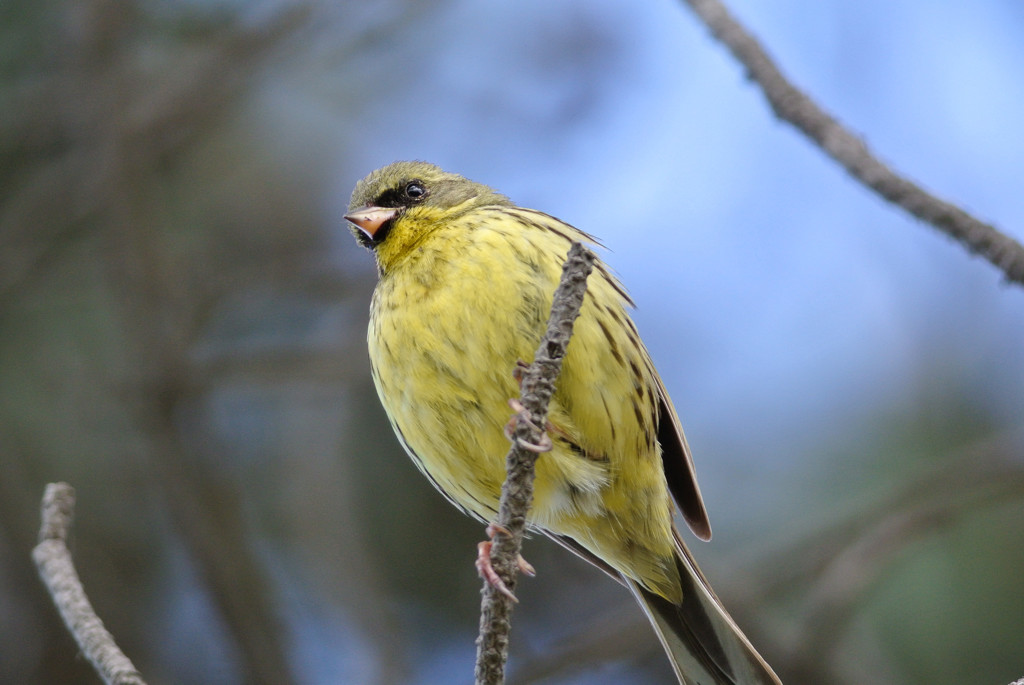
(53, 559)
(538, 384)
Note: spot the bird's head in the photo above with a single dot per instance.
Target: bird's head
(396, 206)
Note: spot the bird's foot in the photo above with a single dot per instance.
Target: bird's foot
(486, 570)
(519, 372)
(545, 444)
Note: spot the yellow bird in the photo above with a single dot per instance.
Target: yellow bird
(466, 284)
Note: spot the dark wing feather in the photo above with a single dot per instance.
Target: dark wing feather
(678, 466)
(704, 643)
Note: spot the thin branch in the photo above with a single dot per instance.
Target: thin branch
(538, 385)
(794, 106)
(53, 559)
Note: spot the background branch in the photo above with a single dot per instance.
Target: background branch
(53, 559)
(794, 106)
(538, 385)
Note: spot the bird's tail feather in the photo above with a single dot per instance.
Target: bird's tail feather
(705, 645)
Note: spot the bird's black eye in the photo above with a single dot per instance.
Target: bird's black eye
(415, 191)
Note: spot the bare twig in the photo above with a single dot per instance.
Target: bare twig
(53, 559)
(538, 384)
(794, 106)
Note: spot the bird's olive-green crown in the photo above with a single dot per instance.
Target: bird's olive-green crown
(422, 193)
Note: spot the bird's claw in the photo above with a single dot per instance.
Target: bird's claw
(486, 570)
(545, 444)
(519, 372)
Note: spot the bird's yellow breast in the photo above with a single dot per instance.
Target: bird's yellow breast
(449, 321)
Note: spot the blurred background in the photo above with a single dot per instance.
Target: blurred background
(183, 311)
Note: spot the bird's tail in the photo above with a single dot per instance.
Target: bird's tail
(704, 644)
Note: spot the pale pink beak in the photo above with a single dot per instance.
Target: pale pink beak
(370, 219)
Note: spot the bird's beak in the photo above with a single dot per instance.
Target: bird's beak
(370, 219)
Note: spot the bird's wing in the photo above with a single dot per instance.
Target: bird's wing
(703, 642)
(678, 465)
